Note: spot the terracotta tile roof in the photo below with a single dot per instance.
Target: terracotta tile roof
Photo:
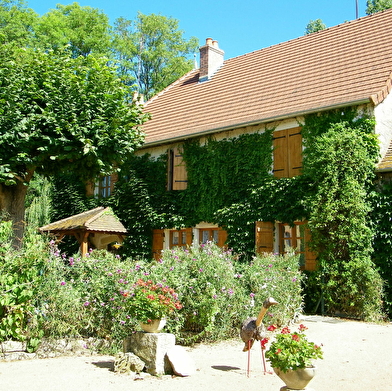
(346, 64)
(96, 220)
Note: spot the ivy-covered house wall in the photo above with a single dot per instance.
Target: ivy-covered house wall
(230, 183)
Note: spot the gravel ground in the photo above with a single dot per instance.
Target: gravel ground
(357, 356)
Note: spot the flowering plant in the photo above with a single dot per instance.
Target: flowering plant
(147, 301)
(292, 350)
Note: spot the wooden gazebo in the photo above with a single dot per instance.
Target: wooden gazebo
(96, 228)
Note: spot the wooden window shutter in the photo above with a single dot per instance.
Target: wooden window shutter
(189, 236)
(222, 237)
(287, 145)
(280, 153)
(179, 176)
(310, 256)
(294, 152)
(264, 237)
(157, 243)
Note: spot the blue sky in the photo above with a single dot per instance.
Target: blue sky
(239, 26)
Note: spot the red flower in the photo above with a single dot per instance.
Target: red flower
(285, 330)
(264, 342)
(302, 327)
(271, 327)
(278, 351)
(296, 337)
(151, 297)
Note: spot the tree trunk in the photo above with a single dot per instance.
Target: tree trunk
(12, 205)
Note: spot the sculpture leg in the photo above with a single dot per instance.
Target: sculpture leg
(249, 347)
(263, 358)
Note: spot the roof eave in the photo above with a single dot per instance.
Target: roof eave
(257, 121)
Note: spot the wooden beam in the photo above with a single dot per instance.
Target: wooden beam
(84, 244)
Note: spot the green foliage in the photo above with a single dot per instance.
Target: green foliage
(217, 167)
(38, 202)
(315, 25)
(20, 274)
(382, 240)
(152, 52)
(274, 199)
(142, 203)
(85, 30)
(292, 350)
(17, 23)
(341, 162)
(373, 6)
(46, 294)
(63, 114)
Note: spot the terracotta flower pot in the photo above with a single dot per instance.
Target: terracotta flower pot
(296, 379)
(155, 326)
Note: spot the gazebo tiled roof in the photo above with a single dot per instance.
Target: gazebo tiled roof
(96, 220)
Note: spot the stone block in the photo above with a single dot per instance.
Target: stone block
(151, 348)
(127, 363)
(181, 361)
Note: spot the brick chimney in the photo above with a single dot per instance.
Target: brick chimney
(211, 59)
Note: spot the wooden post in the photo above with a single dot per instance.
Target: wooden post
(84, 245)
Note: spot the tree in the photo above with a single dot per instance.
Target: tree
(17, 23)
(85, 30)
(152, 52)
(60, 114)
(374, 6)
(314, 26)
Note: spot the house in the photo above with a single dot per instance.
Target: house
(348, 65)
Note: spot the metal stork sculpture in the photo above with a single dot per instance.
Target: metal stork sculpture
(253, 329)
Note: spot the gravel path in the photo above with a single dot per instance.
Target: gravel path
(357, 357)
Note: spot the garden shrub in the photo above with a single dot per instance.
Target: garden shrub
(341, 163)
(57, 296)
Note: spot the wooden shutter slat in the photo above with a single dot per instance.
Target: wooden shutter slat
(157, 243)
(180, 175)
(264, 237)
(222, 237)
(310, 256)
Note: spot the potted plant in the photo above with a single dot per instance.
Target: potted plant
(150, 303)
(291, 356)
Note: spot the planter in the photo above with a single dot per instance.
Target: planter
(296, 379)
(155, 326)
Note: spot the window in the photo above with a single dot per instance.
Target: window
(213, 234)
(292, 238)
(287, 238)
(177, 174)
(287, 145)
(105, 186)
(208, 235)
(180, 238)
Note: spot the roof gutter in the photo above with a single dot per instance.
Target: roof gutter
(255, 122)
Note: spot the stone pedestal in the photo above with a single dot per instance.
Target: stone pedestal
(152, 349)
